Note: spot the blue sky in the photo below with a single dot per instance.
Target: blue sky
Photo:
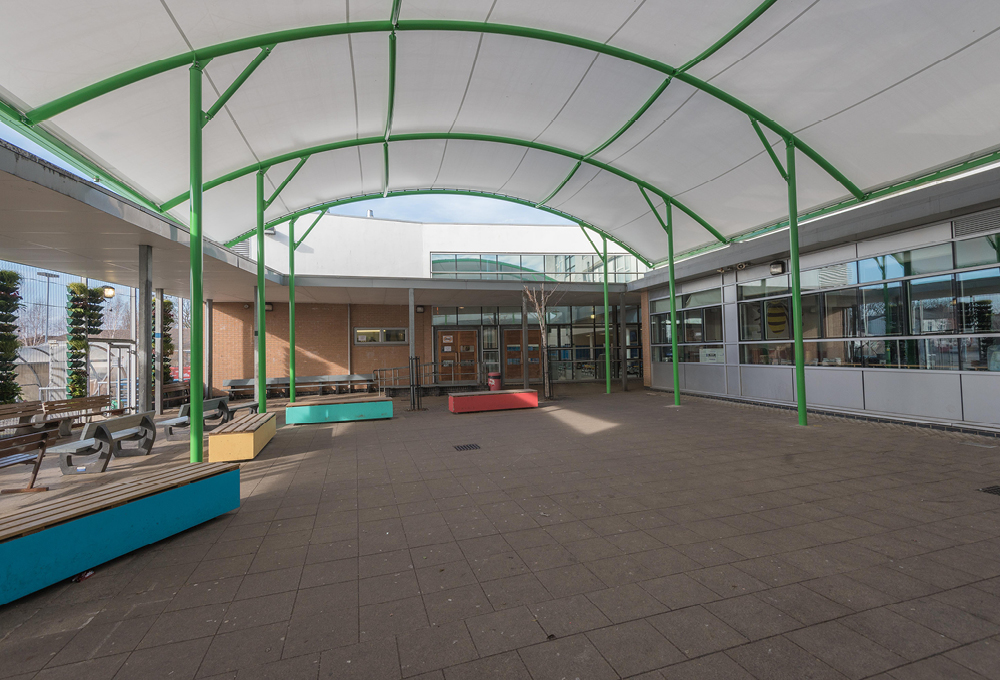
(425, 208)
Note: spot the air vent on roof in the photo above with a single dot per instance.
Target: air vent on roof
(242, 248)
(978, 223)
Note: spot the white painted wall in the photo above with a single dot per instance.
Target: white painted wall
(364, 246)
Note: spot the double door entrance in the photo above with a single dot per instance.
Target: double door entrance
(513, 370)
(458, 355)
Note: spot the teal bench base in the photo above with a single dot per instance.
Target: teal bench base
(338, 413)
(30, 563)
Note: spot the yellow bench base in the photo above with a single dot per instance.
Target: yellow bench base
(226, 445)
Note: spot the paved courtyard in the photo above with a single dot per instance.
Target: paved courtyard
(598, 537)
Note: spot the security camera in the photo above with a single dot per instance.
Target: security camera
(742, 265)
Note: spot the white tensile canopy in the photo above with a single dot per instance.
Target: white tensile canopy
(578, 106)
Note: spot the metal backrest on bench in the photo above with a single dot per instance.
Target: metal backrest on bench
(209, 406)
(43, 515)
(248, 423)
(114, 426)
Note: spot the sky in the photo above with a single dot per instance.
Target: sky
(424, 208)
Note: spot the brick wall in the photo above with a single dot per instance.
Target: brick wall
(322, 339)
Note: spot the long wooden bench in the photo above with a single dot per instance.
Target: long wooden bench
(26, 449)
(66, 411)
(495, 400)
(345, 408)
(243, 438)
(18, 416)
(99, 441)
(51, 541)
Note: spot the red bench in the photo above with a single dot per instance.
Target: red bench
(498, 400)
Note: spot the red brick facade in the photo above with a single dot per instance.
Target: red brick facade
(322, 339)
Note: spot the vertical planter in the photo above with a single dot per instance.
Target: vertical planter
(167, 340)
(10, 305)
(84, 317)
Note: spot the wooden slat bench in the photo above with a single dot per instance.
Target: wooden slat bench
(214, 409)
(495, 400)
(51, 541)
(243, 438)
(26, 449)
(175, 391)
(66, 411)
(18, 416)
(99, 441)
(345, 408)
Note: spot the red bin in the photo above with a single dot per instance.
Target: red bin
(494, 382)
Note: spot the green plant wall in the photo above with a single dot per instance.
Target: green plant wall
(84, 318)
(10, 305)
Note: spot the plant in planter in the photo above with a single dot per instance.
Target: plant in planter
(84, 318)
(10, 305)
(167, 339)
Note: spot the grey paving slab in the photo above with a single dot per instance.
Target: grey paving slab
(594, 537)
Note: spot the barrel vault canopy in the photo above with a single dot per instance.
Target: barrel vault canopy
(580, 106)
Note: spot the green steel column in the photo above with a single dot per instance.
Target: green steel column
(674, 326)
(197, 339)
(793, 241)
(291, 311)
(261, 326)
(607, 331)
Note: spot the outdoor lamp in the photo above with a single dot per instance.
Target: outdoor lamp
(109, 292)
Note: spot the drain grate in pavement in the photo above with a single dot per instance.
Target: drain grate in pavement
(995, 490)
(467, 447)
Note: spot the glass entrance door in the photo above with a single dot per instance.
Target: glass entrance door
(458, 354)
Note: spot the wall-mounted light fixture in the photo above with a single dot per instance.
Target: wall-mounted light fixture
(268, 307)
(109, 292)
(777, 267)
(419, 309)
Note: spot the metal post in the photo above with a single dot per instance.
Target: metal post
(196, 296)
(607, 328)
(411, 330)
(413, 347)
(793, 241)
(524, 341)
(623, 342)
(261, 323)
(674, 326)
(144, 330)
(291, 311)
(209, 346)
(158, 355)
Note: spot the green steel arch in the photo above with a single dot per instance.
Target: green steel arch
(323, 207)
(267, 40)
(364, 141)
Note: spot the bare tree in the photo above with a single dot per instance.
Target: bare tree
(31, 325)
(539, 298)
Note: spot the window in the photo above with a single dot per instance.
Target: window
(382, 336)
(704, 354)
(835, 353)
(659, 329)
(811, 316)
(750, 321)
(932, 303)
(833, 276)
(840, 314)
(882, 309)
(767, 354)
(470, 316)
(974, 252)
(779, 319)
(657, 306)
(700, 299)
(979, 301)
(981, 354)
(907, 263)
(442, 262)
(444, 316)
(777, 285)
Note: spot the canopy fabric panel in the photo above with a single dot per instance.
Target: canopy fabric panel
(569, 104)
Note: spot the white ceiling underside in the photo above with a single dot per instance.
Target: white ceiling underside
(883, 89)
